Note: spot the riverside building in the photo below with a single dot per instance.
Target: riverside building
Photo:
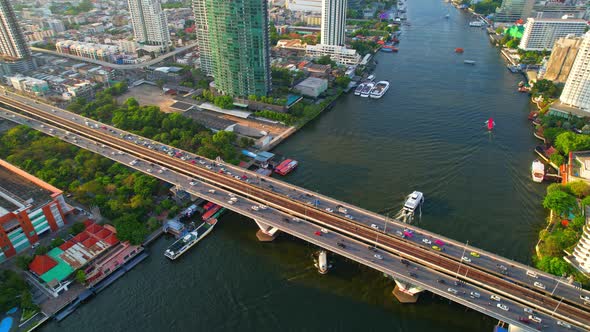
(540, 34)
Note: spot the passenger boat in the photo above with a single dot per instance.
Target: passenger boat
(367, 90)
(286, 166)
(476, 24)
(413, 201)
(469, 62)
(357, 91)
(379, 90)
(538, 171)
(189, 240)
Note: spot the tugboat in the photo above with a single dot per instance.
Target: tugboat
(538, 171)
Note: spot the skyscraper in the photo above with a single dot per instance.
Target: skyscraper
(333, 22)
(150, 26)
(239, 41)
(512, 10)
(12, 41)
(576, 91)
(202, 32)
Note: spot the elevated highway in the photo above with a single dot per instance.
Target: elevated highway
(561, 300)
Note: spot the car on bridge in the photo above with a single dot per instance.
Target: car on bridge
(539, 285)
(495, 297)
(502, 306)
(378, 256)
(375, 226)
(474, 295)
(564, 324)
(535, 319)
(318, 233)
(466, 259)
(474, 254)
(426, 241)
(452, 290)
(437, 248)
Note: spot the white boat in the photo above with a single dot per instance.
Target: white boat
(476, 24)
(189, 240)
(414, 200)
(379, 90)
(538, 171)
(447, 16)
(469, 62)
(367, 90)
(371, 78)
(357, 91)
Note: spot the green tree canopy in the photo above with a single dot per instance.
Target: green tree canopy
(560, 202)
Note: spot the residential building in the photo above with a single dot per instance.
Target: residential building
(576, 92)
(12, 41)
(314, 6)
(29, 207)
(202, 34)
(580, 257)
(340, 54)
(333, 22)
(312, 86)
(239, 47)
(313, 20)
(295, 44)
(512, 10)
(557, 9)
(56, 25)
(562, 59)
(540, 34)
(127, 46)
(150, 26)
(101, 52)
(29, 84)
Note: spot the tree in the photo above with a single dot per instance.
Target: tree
(325, 60)
(557, 159)
(513, 43)
(58, 241)
(560, 202)
(546, 88)
(23, 262)
(130, 229)
(554, 265)
(579, 188)
(77, 228)
(41, 250)
(342, 81)
(12, 287)
(225, 102)
(81, 276)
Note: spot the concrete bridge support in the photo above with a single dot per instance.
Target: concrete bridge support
(406, 292)
(266, 233)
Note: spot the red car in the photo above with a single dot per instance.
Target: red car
(318, 233)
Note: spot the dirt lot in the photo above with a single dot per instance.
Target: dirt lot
(149, 95)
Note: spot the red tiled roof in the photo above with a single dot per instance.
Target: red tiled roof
(94, 228)
(112, 240)
(66, 245)
(81, 237)
(89, 242)
(42, 264)
(103, 233)
(88, 222)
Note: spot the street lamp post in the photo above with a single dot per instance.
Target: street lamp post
(461, 261)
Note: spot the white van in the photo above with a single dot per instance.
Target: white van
(532, 274)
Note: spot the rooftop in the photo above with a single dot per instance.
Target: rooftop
(19, 189)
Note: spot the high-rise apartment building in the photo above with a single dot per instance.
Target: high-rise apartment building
(513, 10)
(12, 41)
(240, 50)
(150, 26)
(576, 92)
(581, 253)
(541, 33)
(202, 33)
(562, 59)
(333, 22)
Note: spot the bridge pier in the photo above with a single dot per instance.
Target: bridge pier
(406, 292)
(266, 233)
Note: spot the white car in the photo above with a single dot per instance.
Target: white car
(375, 226)
(323, 230)
(427, 241)
(528, 310)
(466, 259)
(234, 199)
(254, 207)
(452, 290)
(535, 319)
(149, 170)
(194, 183)
(231, 195)
(201, 162)
(263, 207)
(237, 177)
(564, 324)
(502, 306)
(474, 295)
(329, 210)
(159, 171)
(42, 126)
(585, 298)
(539, 285)
(378, 256)
(349, 217)
(212, 191)
(495, 297)
(230, 202)
(208, 167)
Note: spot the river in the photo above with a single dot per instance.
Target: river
(425, 134)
